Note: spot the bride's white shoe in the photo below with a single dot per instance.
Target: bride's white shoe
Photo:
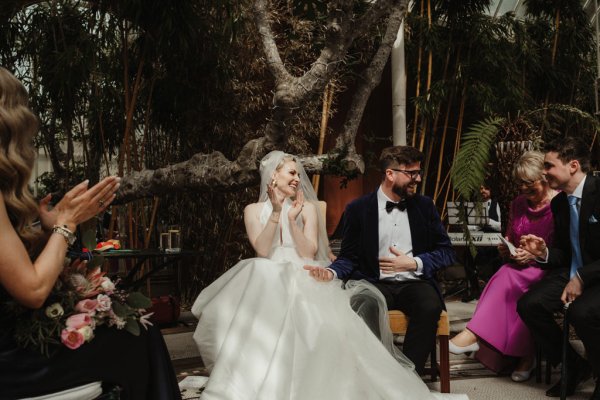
(522, 376)
(454, 349)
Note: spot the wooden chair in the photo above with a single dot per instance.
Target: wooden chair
(398, 325)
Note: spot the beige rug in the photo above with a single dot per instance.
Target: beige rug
(503, 388)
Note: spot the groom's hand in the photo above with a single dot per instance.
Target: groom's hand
(319, 273)
(400, 263)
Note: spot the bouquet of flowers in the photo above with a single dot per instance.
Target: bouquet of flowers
(83, 299)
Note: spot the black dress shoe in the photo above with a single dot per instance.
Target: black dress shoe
(554, 391)
(577, 372)
(596, 394)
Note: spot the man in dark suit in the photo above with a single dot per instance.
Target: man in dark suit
(487, 261)
(573, 264)
(395, 239)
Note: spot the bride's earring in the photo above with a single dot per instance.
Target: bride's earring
(274, 183)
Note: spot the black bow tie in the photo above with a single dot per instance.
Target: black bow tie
(390, 205)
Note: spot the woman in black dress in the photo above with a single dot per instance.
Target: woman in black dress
(139, 365)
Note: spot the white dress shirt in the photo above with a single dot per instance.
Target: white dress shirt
(493, 224)
(394, 231)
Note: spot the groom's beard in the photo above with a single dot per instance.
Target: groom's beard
(406, 191)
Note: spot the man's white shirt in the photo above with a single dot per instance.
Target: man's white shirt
(394, 231)
(493, 224)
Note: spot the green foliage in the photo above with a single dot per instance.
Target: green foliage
(468, 169)
(50, 182)
(33, 329)
(335, 166)
(138, 300)
(132, 326)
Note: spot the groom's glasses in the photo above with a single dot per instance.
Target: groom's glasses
(413, 174)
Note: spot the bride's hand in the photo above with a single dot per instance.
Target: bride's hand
(297, 206)
(276, 202)
(319, 273)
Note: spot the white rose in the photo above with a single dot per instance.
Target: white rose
(54, 311)
(104, 303)
(87, 332)
(107, 285)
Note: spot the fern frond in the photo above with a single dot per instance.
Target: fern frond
(468, 168)
(571, 110)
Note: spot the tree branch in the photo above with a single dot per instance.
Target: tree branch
(274, 62)
(214, 172)
(371, 77)
(374, 14)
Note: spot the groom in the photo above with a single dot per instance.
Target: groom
(395, 239)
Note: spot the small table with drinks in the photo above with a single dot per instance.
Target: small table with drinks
(162, 259)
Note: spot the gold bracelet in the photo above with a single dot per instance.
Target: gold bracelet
(66, 233)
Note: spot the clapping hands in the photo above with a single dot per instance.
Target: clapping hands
(297, 206)
(276, 201)
(79, 204)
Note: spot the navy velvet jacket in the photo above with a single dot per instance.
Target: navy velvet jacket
(359, 254)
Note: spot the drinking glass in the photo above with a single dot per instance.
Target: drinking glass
(174, 239)
(165, 241)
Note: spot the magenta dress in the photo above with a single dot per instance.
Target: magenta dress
(495, 320)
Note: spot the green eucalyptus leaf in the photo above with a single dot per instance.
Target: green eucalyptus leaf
(137, 300)
(132, 326)
(121, 310)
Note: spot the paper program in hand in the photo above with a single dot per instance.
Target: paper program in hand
(511, 247)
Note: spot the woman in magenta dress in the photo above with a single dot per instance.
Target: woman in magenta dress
(495, 325)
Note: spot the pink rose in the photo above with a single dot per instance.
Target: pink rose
(71, 338)
(87, 306)
(78, 321)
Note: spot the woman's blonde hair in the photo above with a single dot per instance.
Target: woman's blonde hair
(529, 167)
(18, 127)
(284, 159)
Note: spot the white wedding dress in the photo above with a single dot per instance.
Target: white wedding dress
(269, 331)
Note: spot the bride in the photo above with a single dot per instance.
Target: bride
(267, 330)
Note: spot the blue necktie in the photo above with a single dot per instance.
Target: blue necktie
(576, 261)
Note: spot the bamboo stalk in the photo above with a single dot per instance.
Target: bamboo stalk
(445, 183)
(429, 74)
(327, 99)
(418, 87)
(442, 144)
(437, 118)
